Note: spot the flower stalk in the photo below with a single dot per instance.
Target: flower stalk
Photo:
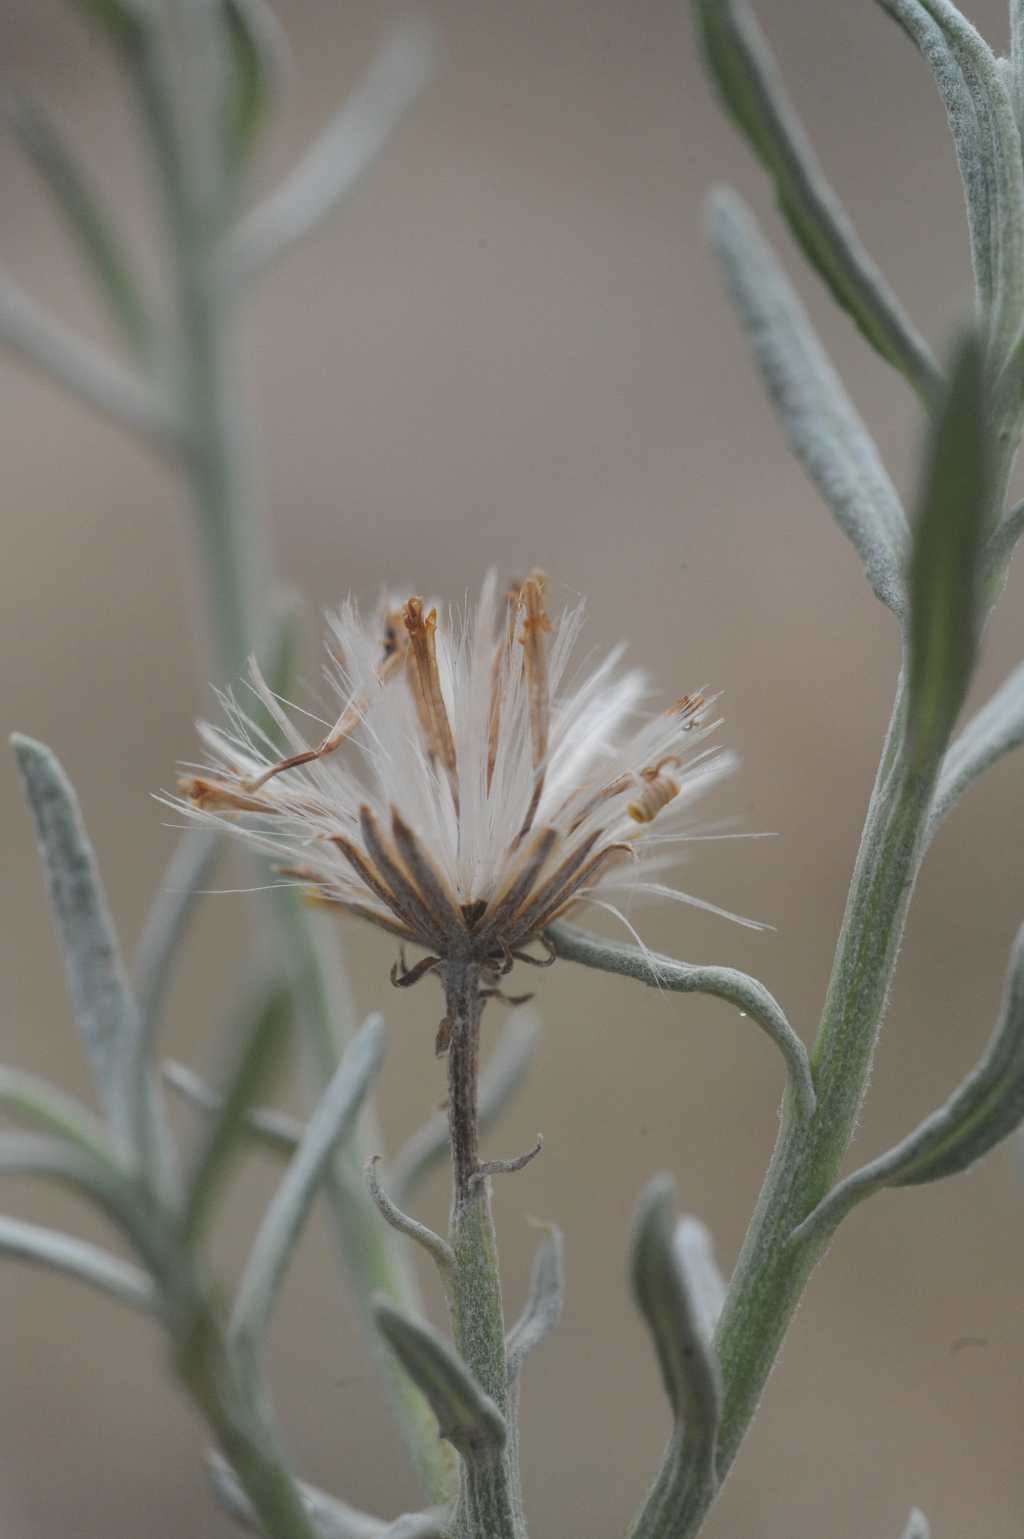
(485, 1503)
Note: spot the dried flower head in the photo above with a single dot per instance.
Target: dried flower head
(477, 797)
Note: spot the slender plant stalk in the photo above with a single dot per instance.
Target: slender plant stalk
(771, 1271)
(486, 1502)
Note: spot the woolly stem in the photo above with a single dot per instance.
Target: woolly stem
(488, 1506)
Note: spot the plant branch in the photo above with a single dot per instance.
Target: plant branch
(658, 972)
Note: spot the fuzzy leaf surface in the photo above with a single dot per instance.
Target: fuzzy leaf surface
(753, 91)
(993, 731)
(97, 982)
(90, 224)
(985, 1108)
(824, 431)
(466, 1416)
(945, 562)
(543, 1305)
(329, 1126)
(658, 972)
(79, 1259)
(673, 1301)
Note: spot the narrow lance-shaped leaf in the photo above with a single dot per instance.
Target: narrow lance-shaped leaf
(337, 161)
(29, 329)
(36, 1101)
(696, 1255)
(752, 89)
(96, 978)
(544, 1304)
(824, 431)
(676, 1312)
(982, 1111)
(90, 223)
(1016, 59)
(501, 1079)
(258, 54)
(79, 1259)
(330, 1124)
(466, 1416)
(276, 1131)
(167, 922)
(259, 1040)
(943, 579)
(658, 972)
(332, 1519)
(999, 547)
(673, 1302)
(418, 1525)
(993, 731)
(100, 1183)
(988, 149)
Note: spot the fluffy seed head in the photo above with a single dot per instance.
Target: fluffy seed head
(466, 795)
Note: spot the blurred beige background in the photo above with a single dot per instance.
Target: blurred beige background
(513, 348)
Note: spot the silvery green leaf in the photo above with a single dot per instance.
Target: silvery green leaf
(88, 1263)
(96, 978)
(44, 1154)
(332, 1519)
(824, 431)
(329, 1126)
(258, 54)
(90, 223)
(500, 1081)
(337, 161)
(696, 1256)
(658, 972)
(98, 1181)
(262, 1026)
(988, 147)
(993, 731)
(753, 91)
(432, 1243)
(943, 577)
(53, 1111)
(466, 1416)
(986, 1107)
(276, 1131)
(167, 921)
(673, 1302)
(543, 1305)
(917, 1525)
(418, 1525)
(1016, 59)
(29, 329)
(1000, 545)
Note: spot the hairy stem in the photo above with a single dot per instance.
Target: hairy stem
(488, 1504)
(772, 1271)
